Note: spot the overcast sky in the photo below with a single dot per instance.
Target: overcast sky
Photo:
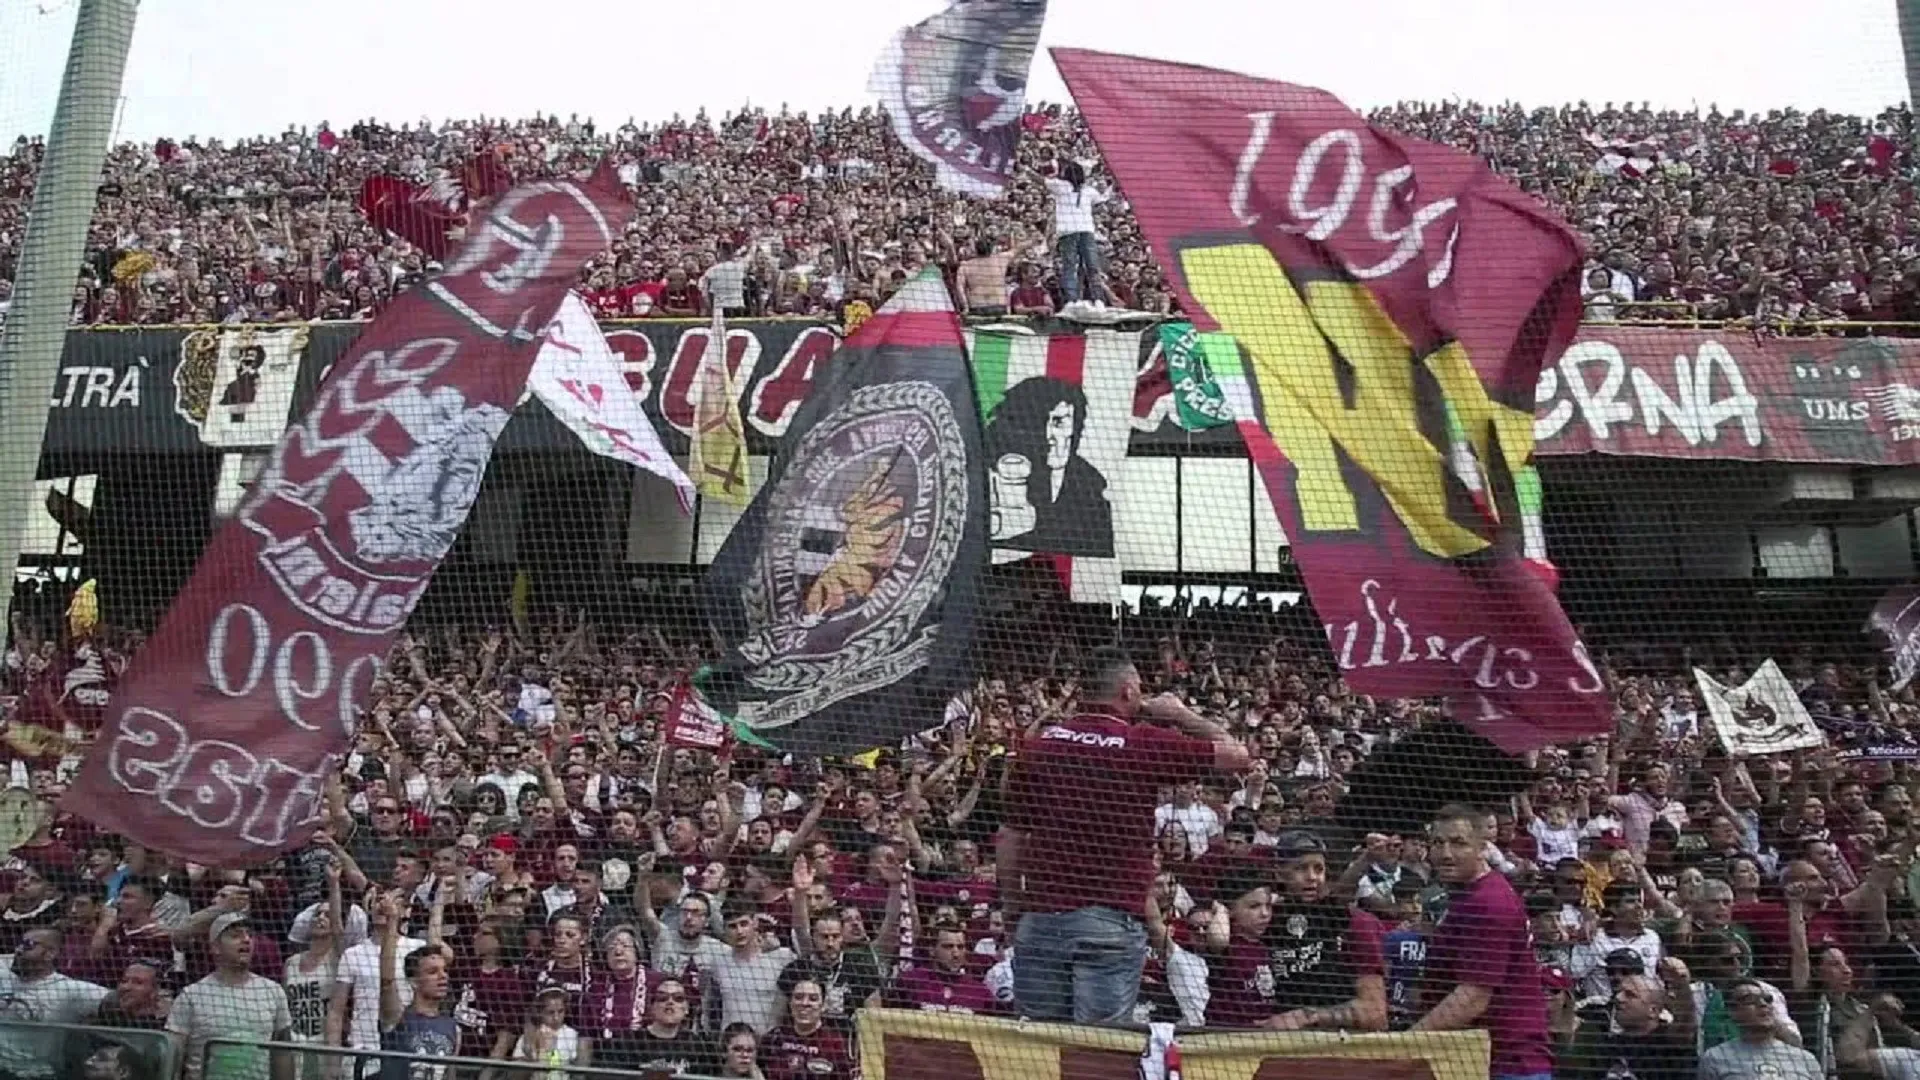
(242, 67)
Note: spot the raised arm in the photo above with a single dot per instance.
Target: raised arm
(386, 915)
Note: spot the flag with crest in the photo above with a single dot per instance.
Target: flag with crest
(846, 593)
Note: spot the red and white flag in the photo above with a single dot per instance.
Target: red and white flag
(580, 380)
(223, 732)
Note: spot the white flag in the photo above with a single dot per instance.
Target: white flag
(1760, 716)
(579, 379)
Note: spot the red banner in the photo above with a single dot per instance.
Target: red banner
(692, 723)
(228, 722)
(1726, 394)
(1384, 289)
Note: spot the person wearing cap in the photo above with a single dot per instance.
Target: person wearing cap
(235, 1007)
(311, 973)
(1324, 957)
(1481, 971)
(1076, 845)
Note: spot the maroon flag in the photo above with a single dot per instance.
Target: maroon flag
(431, 216)
(1393, 301)
(691, 722)
(225, 727)
(1897, 618)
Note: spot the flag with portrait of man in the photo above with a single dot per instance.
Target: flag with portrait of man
(1059, 413)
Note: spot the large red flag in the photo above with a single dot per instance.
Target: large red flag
(431, 216)
(1393, 301)
(228, 722)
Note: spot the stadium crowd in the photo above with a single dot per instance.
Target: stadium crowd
(519, 863)
(1787, 219)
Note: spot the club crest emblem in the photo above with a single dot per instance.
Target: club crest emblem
(862, 531)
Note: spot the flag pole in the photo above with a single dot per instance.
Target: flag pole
(62, 210)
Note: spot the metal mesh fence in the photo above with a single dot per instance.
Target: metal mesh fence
(1191, 577)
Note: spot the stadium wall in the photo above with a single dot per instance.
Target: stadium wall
(1666, 453)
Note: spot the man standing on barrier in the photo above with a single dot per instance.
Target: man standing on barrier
(1076, 855)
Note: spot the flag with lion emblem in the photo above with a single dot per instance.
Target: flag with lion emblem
(845, 596)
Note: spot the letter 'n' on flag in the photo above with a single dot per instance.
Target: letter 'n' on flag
(718, 454)
(1394, 301)
(845, 595)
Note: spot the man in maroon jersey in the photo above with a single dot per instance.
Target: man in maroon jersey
(1076, 852)
(1481, 970)
(945, 985)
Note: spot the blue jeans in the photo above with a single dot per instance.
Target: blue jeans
(1082, 965)
(1079, 259)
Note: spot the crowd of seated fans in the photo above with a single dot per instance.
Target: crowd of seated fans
(1790, 220)
(513, 842)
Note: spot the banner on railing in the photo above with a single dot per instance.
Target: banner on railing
(899, 1044)
(1636, 391)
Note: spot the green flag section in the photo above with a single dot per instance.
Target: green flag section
(1198, 402)
(742, 734)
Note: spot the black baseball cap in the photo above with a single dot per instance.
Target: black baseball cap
(1294, 843)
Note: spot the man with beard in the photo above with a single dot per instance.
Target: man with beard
(848, 977)
(1641, 1040)
(1324, 956)
(32, 990)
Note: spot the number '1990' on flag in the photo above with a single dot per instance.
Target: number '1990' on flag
(1394, 301)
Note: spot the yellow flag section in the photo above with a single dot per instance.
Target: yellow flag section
(718, 457)
(1302, 405)
(898, 1044)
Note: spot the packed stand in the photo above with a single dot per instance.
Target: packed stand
(1787, 219)
(517, 865)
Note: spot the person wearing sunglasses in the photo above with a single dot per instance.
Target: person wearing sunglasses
(1758, 1051)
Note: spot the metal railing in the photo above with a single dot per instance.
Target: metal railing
(247, 1059)
(33, 1050)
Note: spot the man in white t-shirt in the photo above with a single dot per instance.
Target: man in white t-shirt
(1625, 928)
(1199, 820)
(31, 991)
(355, 1009)
(233, 1009)
(725, 283)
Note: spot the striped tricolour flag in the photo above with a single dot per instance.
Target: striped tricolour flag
(1058, 412)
